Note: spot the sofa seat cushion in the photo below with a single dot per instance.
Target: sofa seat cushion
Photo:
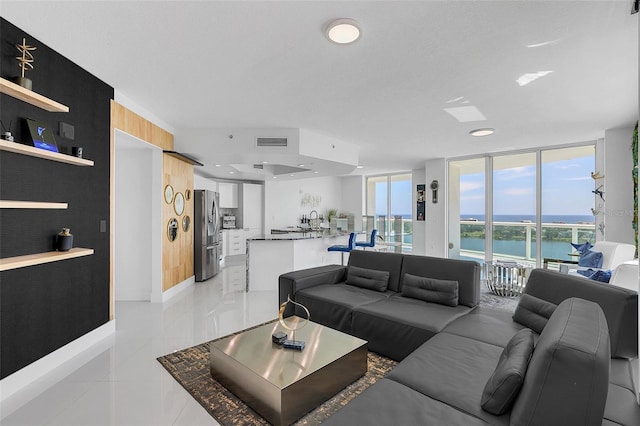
(621, 407)
(390, 403)
(489, 325)
(396, 326)
(454, 370)
(332, 304)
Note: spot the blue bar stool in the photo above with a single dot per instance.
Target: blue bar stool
(344, 249)
(370, 243)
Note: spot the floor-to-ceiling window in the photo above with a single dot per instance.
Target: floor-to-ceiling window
(389, 210)
(498, 205)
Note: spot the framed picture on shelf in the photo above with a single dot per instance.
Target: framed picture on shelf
(42, 135)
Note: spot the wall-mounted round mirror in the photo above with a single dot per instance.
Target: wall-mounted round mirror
(187, 194)
(178, 203)
(172, 229)
(186, 221)
(168, 194)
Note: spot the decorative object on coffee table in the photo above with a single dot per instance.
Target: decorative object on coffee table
(25, 60)
(506, 278)
(64, 240)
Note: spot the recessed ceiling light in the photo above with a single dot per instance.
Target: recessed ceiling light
(359, 167)
(482, 132)
(274, 177)
(265, 162)
(291, 175)
(316, 172)
(217, 165)
(300, 165)
(343, 31)
(231, 173)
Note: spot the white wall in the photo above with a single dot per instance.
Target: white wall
(618, 185)
(283, 199)
(419, 227)
(138, 183)
(436, 240)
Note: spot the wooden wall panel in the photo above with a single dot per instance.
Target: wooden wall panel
(177, 255)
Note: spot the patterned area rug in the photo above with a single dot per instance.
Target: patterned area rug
(499, 302)
(190, 367)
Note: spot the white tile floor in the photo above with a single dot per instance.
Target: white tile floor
(119, 381)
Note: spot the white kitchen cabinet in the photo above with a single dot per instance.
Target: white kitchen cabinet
(251, 208)
(236, 241)
(228, 195)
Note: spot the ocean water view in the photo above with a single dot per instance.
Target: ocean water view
(511, 240)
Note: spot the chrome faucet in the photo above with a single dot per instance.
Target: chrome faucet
(314, 223)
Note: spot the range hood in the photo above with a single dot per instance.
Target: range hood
(183, 157)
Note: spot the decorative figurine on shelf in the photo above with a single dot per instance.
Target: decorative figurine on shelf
(599, 192)
(26, 63)
(6, 132)
(64, 240)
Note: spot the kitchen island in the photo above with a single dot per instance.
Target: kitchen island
(269, 256)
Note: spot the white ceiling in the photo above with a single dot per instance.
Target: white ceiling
(244, 64)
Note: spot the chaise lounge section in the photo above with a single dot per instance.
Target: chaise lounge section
(579, 373)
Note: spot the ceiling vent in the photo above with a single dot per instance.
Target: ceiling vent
(258, 166)
(272, 142)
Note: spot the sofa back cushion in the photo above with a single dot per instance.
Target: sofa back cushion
(465, 272)
(390, 262)
(371, 279)
(533, 312)
(620, 305)
(443, 292)
(568, 375)
(504, 384)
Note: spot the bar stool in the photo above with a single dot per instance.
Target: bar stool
(370, 243)
(344, 249)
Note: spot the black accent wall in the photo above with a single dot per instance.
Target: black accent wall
(44, 307)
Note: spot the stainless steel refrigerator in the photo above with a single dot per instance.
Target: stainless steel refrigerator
(207, 234)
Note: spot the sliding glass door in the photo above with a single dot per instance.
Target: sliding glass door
(499, 205)
(389, 210)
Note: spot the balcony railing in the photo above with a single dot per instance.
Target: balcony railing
(518, 240)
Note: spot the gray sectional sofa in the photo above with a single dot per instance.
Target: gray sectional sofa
(465, 364)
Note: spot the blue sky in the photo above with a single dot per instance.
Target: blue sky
(566, 189)
(401, 196)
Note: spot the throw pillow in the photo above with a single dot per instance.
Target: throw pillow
(504, 384)
(581, 248)
(590, 259)
(432, 290)
(533, 312)
(596, 274)
(367, 278)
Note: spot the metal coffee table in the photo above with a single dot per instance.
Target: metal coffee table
(283, 384)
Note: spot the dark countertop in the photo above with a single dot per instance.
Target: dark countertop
(290, 236)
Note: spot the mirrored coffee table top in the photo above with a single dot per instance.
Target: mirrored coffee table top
(282, 367)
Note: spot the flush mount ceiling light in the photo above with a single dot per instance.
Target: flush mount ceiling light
(343, 31)
(482, 132)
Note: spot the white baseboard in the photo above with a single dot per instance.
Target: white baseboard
(176, 289)
(37, 369)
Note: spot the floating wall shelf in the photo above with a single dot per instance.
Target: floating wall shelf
(40, 258)
(30, 97)
(41, 153)
(12, 204)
